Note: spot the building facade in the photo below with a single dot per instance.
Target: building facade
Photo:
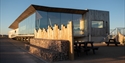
(93, 24)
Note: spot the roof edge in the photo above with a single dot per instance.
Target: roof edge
(30, 10)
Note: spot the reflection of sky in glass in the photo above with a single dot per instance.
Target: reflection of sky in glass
(53, 18)
(43, 19)
(76, 21)
(97, 24)
(65, 18)
(27, 25)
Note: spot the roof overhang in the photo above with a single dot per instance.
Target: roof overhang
(32, 8)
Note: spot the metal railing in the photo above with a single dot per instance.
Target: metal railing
(114, 33)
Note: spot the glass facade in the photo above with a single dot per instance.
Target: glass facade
(76, 23)
(43, 19)
(65, 17)
(53, 18)
(27, 25)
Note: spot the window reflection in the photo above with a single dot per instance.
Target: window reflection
(53, 18)
(41, 19)
(27, 25)
(65, 18)
(76, 23)
(97, 24)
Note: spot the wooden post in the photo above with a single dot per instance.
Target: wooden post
(71, 53)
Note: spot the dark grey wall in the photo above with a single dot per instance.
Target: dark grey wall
(96, 15)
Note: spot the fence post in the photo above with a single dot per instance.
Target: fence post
(71, 53)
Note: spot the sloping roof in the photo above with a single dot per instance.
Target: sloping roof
(32, 8)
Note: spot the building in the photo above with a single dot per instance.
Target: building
(92, 24)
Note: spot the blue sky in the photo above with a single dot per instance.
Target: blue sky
(11, 9)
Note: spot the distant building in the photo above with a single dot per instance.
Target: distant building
(93, 24)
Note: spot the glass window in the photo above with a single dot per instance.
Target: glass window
(65, 18)
(27, 25)
(76, 22)
(41, 19)
(53, 18)
(97, 24)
